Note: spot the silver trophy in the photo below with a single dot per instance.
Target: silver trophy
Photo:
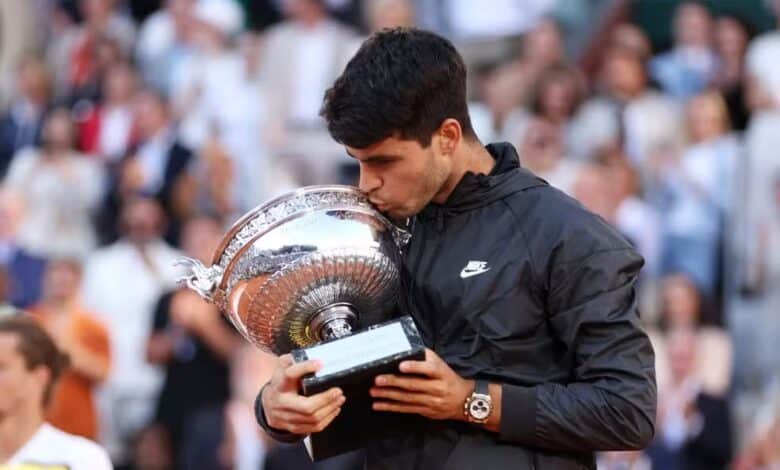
(316, 273)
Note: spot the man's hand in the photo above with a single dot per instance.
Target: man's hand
(429, 388)
(287, 410)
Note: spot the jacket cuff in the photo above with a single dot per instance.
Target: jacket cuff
(518, 414)
(276, 434)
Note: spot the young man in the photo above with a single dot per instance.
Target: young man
(526, 300)
(30, 365)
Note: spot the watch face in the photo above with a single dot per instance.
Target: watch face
(479, 408)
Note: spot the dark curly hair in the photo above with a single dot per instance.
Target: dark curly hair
(402, 81)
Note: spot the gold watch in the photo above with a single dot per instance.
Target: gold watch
(478, 406)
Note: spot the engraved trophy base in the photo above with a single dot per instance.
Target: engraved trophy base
(352, 363)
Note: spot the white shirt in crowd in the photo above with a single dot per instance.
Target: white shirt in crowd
(52, 449)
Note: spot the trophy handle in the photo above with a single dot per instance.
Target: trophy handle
(201, 279)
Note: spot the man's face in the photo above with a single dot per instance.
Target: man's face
(18, 383)
(400, 176)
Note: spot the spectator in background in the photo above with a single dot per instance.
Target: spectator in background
(626, 112)
(80, 335)
(697, 191)
(157, 162)
(731, 40)
(611, 191)
(690, 66)
(683, 307)
(543, 152)
(21, 122)
(77, 56)
(61, 190)
(761, 61)
(122, 283)
(31, 365)
(194, 343)
(25, 271)
(630, 37)
(163, 42)
(107, 129)
(380, 14)
(302, 57)
(694, 428)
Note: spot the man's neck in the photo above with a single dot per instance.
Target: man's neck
(475, 159)
(16, 430)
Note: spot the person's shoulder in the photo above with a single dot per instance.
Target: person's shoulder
(80, 452)
(557, 224)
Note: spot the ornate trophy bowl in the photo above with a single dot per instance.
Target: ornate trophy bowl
(316, 273)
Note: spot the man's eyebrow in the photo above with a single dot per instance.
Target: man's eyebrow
(379, 156)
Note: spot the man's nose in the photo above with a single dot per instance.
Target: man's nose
(369, 181)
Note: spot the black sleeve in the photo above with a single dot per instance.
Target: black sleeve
(276, 434)
(713, 445)
(161, 315)
(610, 401)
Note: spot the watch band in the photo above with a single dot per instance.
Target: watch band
(481, 387)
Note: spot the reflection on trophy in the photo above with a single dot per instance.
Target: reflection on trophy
(315, 273)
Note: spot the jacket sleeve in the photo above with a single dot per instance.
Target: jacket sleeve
(609, 402)
(276, 434)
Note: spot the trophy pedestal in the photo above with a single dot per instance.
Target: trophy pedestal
(352, 363)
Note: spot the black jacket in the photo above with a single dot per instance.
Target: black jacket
(549, 312)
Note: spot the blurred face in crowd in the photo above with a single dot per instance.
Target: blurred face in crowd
(632, 38)
(200, 238)
(707, 117)
(61, 280)
(681, 301)
(142, 220)
(58, 132)
(592, 189)
(22, 387)
(401, 176)
(33, 80)
(151, 114)
(96, 10)
(692, 26)
(623, 74)
(389, 14)
(303, 10)
(682, 353)
(731, 38)
(120, 83)
(558, 94)
(544, 45)
(542, 145)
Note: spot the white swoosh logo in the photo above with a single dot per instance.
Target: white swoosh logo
(472, 272)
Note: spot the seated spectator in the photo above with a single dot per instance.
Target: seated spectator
(697, 194)
(693, 427)
(81, 336)
(689, 67)
(61, 190)
(31, 365)
(21, 122)
(682, 306)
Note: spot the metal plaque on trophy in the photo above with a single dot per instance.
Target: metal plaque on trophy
(315, 273)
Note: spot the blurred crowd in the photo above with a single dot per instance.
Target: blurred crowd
(132, 133)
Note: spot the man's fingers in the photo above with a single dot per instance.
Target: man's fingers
(309, 405)
(285, 360)
(401, 396)
(427, 367)
(313, 428)
(412, 384)
(298, 370)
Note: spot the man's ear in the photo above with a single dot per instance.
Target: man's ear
(450, 135)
